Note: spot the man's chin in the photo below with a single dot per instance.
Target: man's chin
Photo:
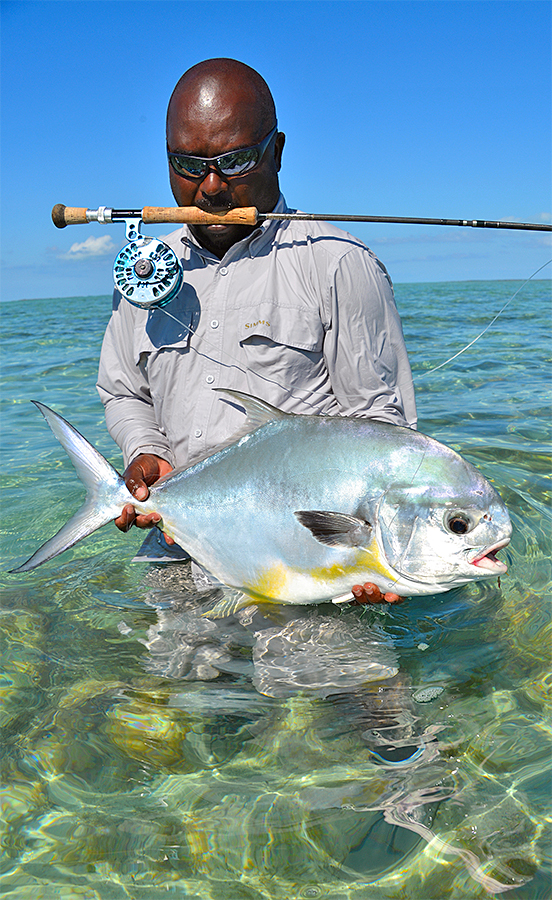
(219, 238)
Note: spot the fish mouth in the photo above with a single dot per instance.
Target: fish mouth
(487, 559)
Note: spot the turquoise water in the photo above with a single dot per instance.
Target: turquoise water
(149, 753)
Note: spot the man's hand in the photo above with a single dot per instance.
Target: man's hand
(142, 472)
(370, 593)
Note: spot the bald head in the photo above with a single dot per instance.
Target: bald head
(221, 106)
(219, 90)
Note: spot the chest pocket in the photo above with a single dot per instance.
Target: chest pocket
(156, 331)
(287, 326)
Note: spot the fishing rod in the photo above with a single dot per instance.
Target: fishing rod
(148, 273)
(191, 215)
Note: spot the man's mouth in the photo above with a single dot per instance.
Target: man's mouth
(488, 559)
(216, 226)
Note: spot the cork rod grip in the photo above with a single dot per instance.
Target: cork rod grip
(68, 215)
(190, 215)
(152, 215)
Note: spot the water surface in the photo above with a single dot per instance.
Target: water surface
(148, 752)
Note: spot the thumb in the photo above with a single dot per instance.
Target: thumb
(140, 491)
(136, 485)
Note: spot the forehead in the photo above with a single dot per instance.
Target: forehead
(212, 120)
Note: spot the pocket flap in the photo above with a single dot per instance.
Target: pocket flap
(288, 325)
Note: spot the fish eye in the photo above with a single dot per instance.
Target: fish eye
(458, 523)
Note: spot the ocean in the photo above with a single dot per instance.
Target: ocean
(144, 756)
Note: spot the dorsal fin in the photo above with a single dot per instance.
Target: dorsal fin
(258, 411)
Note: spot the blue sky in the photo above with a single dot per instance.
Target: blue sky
(436, 108)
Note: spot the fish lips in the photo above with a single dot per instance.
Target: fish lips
(487, 559)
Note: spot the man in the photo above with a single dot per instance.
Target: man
(298, 314)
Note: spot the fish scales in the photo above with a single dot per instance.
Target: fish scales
(299, 508)
(255, 487)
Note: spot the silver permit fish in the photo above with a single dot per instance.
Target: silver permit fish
(297, 509)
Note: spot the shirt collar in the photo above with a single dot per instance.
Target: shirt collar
(251, 245)
(266, 231)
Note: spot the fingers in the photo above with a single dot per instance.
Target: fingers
(135, 482)
(130, 517)
(370, 593)
(126, 519)
(139, 475)
(144, 471)
(393, 598)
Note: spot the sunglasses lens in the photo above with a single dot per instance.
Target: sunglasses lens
(188, 165)
(239, 162)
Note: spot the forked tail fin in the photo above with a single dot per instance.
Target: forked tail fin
(106, 492)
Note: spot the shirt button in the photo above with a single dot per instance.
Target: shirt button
(197, 432)
(210, 379)
(214, 323)
(223, 270)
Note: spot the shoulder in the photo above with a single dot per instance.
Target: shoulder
(334, 254)
(325, 239)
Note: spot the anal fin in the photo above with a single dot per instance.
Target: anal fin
(230, 603)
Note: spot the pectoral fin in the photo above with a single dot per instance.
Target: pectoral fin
(336, 529)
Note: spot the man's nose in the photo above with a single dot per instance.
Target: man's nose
(213, 184)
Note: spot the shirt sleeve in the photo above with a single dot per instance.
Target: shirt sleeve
(364, 346)
(124, 390)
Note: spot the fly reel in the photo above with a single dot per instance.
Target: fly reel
(146, 271)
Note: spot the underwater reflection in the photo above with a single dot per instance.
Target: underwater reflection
(345, 770)
(149, 752)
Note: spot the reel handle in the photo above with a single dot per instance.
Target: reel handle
(152, 215)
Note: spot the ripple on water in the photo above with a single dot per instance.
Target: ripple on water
(147, 751)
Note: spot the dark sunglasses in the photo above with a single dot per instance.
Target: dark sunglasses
(229, 165)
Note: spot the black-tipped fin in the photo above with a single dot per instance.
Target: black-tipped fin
(336, 529)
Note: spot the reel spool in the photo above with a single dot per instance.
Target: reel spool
(146, 271)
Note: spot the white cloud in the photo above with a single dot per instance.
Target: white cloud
(545, 217)
(92, 246)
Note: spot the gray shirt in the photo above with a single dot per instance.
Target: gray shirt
(300, 314)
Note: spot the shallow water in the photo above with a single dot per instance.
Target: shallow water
(149, 752)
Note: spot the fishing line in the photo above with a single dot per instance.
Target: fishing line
(148, 274)
(467, 347)
(245, 368)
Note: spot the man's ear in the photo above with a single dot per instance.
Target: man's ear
(279, 149)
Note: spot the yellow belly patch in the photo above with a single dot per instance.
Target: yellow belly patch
(280, 581)
(368, 558)
(271, 584)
